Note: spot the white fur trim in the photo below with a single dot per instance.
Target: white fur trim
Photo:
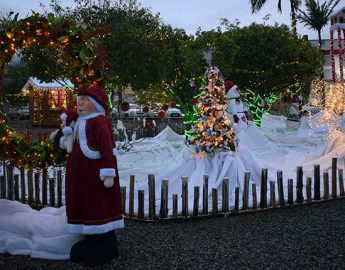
(107, 172)
(63, 117)
(83, 141)
(98, 106)
(67, 131)
(95, 229)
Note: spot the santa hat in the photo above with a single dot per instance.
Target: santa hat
(229, 85)
(97, 96)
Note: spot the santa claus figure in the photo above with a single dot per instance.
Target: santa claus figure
(93, 200)
(235, 107)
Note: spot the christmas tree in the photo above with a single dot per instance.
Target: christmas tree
(213, 131)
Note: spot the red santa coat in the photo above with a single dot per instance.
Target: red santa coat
(91, 207)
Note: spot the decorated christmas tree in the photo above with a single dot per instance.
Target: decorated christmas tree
(213, 131)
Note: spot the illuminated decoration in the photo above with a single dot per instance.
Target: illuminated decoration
(330, 98)
(213, 131)
(337, 24)
(48, 100)
(81, 61)
(259, 105)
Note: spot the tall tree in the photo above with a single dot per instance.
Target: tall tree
(256, 5)
(316, 15)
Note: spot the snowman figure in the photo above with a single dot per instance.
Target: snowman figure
(235, 107)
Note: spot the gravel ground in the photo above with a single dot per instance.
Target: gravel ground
(305, 237)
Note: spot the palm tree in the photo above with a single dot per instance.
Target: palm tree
(316, 15)
(294, 4)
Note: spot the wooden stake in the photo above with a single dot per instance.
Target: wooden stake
(255, 204)
(152, 196)
(196, 201)
(308, 189)
(22, 185)
(205, 195)
(175, 205)
(10, 181)
(123, 200)
(163, 213)
(280, 188)
(334, 178)
(237, 198)
(272, 194)
(225, 195)
(341, 182)
(184, 196)
(59, 188)
(325, 186)
(245, 195)
(44, 186)
(52, 192)
(37, 189)
(290, 191)
(141, 197)
(214, 202)
(16, 187)
(263, 192)
(299, 185)
(317, 196)
(131, 196)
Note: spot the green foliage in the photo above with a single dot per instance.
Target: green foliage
(271, 60)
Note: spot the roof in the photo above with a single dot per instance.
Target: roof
(62, 84)
(337, 12)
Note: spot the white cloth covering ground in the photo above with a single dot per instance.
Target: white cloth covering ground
(43, 234)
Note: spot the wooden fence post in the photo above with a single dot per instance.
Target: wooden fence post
(308, 189)
(272, 194)
(59, 188)
(16, 187)
(237, 198)
(152, 196)
(280, 188)
(225, 195)
(175, 205)
(131, 196)
(334, 178)
(290, 191)
(37, 189)
(44, 186)
(214, 202)
(341, 181)
(141, 198)
(196, 201)
(52, 191)
(123, 200)
(184, 196)
(3, 184)
(163, 213)
(22, 185)
(299, 185)
(325, 186)
(263, 193)
(9, 170)
(245, 195)
(205, 195)
(317, 196)
(255, 203)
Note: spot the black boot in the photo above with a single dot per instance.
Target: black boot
(77, 251)
(101, 248)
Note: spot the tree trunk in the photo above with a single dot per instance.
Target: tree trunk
(293, 18)
(320, 40)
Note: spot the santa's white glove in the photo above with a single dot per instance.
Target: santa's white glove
(68, 138)
(108, 181)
